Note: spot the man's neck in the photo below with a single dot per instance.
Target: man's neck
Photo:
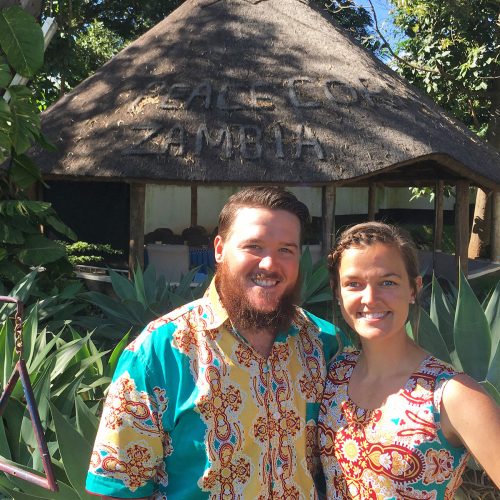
(261, 340)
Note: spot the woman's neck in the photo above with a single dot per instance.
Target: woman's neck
(381, 358)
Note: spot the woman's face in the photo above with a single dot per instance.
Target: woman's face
(375, 291)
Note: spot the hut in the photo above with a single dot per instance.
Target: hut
(236, 92)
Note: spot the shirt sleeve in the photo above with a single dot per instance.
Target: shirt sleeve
(128, 456)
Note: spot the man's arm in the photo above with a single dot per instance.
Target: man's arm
(116, 498)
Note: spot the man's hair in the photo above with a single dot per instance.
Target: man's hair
(274, 198)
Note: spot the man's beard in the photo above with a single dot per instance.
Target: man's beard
(243, 314)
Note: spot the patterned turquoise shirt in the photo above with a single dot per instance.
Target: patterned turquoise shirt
(194, 411)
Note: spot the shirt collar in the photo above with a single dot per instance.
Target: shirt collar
(219, 313)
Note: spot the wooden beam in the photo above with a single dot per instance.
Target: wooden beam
(136, 244)
(462, 224)
(194, 205)
(372, 201)
(495, 227)
(328, 197)
(438, 215)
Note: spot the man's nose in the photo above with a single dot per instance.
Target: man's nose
(267, 261)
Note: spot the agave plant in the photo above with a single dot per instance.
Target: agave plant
(68, 380)
(466, 335)
(138, 300)
(315, 280)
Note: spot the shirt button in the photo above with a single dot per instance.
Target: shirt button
(265, 368)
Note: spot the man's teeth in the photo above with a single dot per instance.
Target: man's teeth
(377, 315)
(264, 282)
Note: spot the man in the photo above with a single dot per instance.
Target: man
(219, 398)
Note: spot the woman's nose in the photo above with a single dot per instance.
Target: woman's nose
(369, 295)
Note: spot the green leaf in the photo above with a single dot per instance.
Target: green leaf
(21, 39)
(60, 227)
(86, 422)
(9, 234)
(441, 314)
(5, 130)
(39, 250)
(24, 172)
(66, 353)
(430, 339)
(25, 117)
(34, 491)
(492, 313)
(471, 333)
(123, 288)
(493, 375)
(140, 292)
(5, 75)
(75, 464)
(115, 355)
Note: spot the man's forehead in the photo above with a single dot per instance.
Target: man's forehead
(250, 218)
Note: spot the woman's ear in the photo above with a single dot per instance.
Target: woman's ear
(418, 287)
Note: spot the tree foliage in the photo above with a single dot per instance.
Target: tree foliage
(89, 34)
(452, 51)
(22, 244)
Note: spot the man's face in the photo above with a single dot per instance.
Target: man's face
(258, 262)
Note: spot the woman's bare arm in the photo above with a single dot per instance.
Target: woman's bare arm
(470, 416)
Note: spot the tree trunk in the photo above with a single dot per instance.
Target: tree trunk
(481, 226)
(484, 230)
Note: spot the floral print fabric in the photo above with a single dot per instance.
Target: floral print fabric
(395, 452)
(193, 411)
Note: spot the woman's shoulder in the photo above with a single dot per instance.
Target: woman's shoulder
(438, 368)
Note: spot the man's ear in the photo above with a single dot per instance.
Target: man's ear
(218, 248)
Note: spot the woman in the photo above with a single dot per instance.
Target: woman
(395, 422)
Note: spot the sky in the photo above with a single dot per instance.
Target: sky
(382, 8)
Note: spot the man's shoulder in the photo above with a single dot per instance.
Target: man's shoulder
(322, 325)
(162, 329)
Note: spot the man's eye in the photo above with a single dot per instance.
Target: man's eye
(388, 283)
(285, 250)
(352, 284)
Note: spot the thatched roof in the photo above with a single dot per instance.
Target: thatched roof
(239, 91)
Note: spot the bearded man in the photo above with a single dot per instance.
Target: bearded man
(219, 398)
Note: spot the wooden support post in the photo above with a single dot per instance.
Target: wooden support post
(194, 205)
(372, 201)
(495, 227)
(438, 216)
(328, 217)
(462, 224)
(136, 244)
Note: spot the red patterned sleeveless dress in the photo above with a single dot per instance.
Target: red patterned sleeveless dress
(395, 452)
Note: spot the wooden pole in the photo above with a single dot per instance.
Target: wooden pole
(495, 227)
(438, 216)
(328, 196)
(136, 244)
(481, 224)
(194, 205)
(462, 224)
(372, 201)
